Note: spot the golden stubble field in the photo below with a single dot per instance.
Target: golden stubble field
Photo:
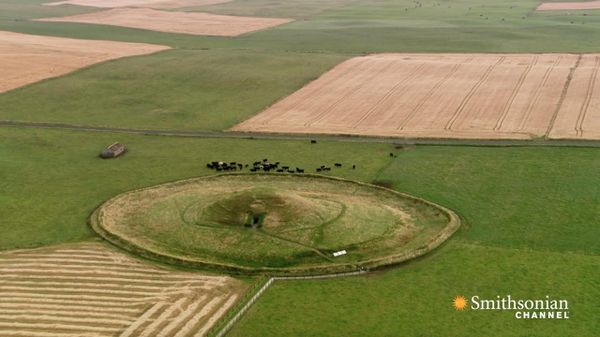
(138, 3)
(477, 96)
(194, 23)
(26, 59)
(563, 6)
(90, 290)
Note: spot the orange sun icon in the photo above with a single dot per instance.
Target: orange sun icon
(460, 303)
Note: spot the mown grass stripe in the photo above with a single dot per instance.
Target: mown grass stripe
(84, 329)
(142, 319)
(74, 260)
(51, 272)
(84, 284)
(150, 329)
(62, 319)
(42, 299)
(109, 299)
(56, 276)
(30, 333)
(216, 315)
(58, 310)
(189, 311)
(51, 305)
(193, 322)
(84, 267)
(86, 290)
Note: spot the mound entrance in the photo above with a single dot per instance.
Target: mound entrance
(273, 223)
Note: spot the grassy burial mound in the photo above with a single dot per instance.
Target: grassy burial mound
(273, 223)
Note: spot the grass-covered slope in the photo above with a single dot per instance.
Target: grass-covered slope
(532, 228)
(274, 223)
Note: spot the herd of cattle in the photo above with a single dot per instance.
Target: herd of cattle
(264, 166)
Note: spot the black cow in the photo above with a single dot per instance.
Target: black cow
(354, 167)
(312, 141)
(337, 165)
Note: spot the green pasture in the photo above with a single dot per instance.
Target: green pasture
(212, 83)
(53, 179)
(531, 225)
(531, 214)
(531, 229)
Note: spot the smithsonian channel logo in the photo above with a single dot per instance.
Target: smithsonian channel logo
(546, 308)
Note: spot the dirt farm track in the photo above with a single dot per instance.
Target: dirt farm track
(472, 96)
(89, 290)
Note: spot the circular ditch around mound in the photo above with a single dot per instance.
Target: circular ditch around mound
(278, 224)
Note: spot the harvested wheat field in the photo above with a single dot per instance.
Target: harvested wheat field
(138, 3)
(89, 290)
(579, 115)
(479, 96)
(174, 22)
(561, 6)
(26, 59)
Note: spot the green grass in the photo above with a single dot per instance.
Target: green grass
(177, 89)
(202, 222)
(212, 83)
(416, 299)
(532, 225)
(545, 199)
(531, 230)
(53, 179)
(531, 213)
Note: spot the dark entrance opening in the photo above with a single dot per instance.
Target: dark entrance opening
(255, 220)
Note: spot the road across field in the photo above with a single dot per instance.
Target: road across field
(471, 96)
(244, 135)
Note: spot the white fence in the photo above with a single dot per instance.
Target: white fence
(267, 284)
